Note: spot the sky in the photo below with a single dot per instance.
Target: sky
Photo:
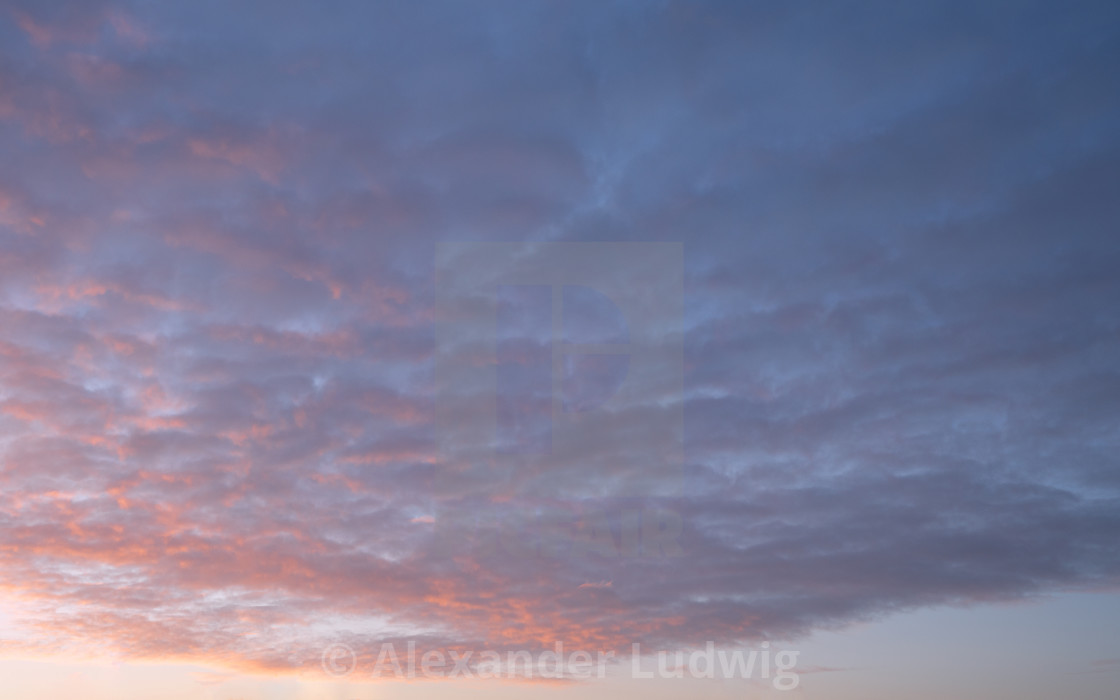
(485, 325)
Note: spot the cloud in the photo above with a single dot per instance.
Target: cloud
(217, 306)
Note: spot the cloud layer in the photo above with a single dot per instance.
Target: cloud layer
(218, 397)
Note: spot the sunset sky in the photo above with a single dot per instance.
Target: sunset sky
(486, 325)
